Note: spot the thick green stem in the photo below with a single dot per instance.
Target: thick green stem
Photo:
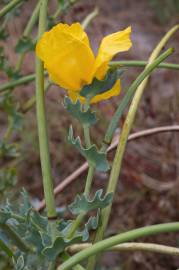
(42, 124)
(9, 7)
(12, 84)
(127, 98)
(114, 175)
(27, 32)
(120, 238)
(31, 77)
(136, 63)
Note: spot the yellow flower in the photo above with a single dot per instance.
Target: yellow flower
(69, 59)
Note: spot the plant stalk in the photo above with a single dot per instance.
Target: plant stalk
(9, 7)
(118, 239)
(31, 77)
(42, 124)
(140, 64)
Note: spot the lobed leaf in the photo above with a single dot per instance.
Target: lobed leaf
(82, 204)
(75, 109)
(92, 155)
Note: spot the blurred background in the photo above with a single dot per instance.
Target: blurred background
(148, 187)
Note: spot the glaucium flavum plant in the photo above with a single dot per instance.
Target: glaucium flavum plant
(35, 241)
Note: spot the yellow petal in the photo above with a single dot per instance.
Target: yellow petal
(111, 45)
(67, 55)
(114, 91)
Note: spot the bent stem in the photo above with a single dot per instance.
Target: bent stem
(42, 124)
(9, 7)
(120, 238)
(125, 133)
(137, 63)
(29, 78)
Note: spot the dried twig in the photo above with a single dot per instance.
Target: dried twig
(132, 246)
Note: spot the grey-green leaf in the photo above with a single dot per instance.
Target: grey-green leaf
(75, 109)
(58, 247)
(82, 204)
(92, 224)
(92, 155)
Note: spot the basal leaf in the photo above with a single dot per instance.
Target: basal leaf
(92, 155)
(59, 246)
(82, 204)
(75, 109)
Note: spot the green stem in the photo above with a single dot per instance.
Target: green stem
(9, 7)
(42, 124)
(15, 238)
(114, 175)
(27, 32)
(65, 256)
(120, 238)
(12, 84)
(136, 63)
(127, 98)
(31, 77)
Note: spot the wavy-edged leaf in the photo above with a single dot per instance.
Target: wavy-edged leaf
(92, 224)
(92, 155)
(82, 204)
(75, 109)
(59, 246)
